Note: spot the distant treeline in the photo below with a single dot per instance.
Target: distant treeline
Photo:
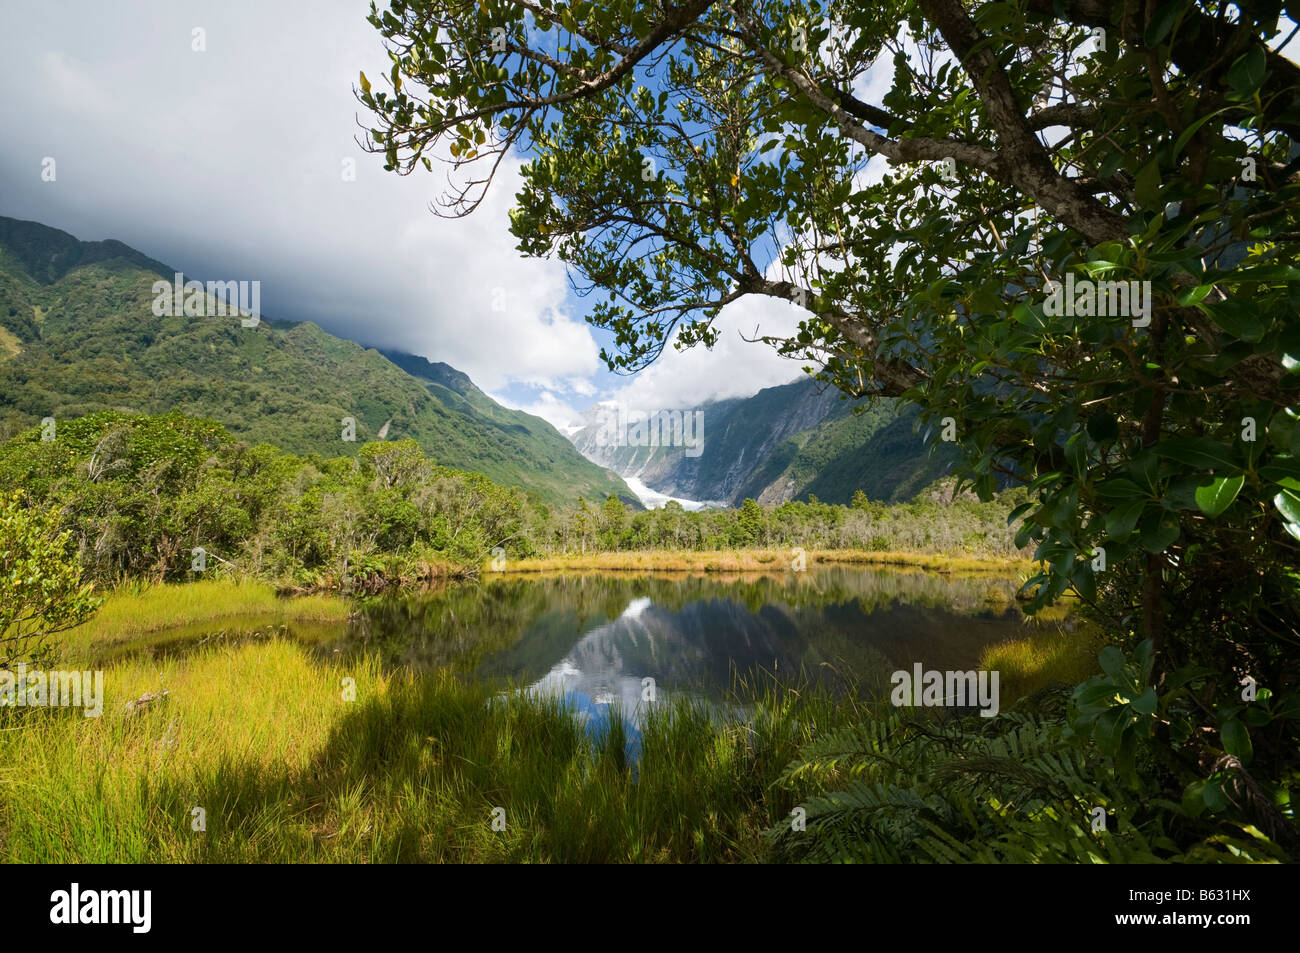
(158, 496)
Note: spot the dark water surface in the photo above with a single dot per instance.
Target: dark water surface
(598, 637)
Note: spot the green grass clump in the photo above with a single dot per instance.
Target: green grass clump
(1055, 656)
(286, 770)
(136, 610)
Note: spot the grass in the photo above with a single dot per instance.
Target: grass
(10, 346)
(260, 738)
(758, 560)
(1054, 656)
(137, 610)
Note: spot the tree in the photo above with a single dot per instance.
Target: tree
(40, 582)
(749, 523)
(583, 521)
(613, 522)
(683, 156)
(671, 517)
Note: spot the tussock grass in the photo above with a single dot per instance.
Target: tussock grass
(759, 560)
(260, 737)
(139, 609)
(1054, 656)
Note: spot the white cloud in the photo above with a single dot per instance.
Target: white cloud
(733, 368)
(228, 163)
(547, 405)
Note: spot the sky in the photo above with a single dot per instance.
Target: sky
(228, 163)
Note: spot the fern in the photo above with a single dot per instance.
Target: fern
(907, 790)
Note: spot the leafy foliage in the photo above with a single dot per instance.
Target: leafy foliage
(139, 494)
(1023, 790)
(1021, 149)
(41, 592)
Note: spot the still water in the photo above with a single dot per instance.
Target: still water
(605, 639)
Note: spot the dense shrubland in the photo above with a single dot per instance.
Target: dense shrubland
(138, 494)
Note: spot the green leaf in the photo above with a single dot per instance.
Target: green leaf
(1218, 496)
(1288, 504)
(1191, 131)
(1236, 740)
(1199, 452)
(1163, 21)
(365, 84)
(1020, 511)
(1241, 319)
(1158, 538)
(1030, 315)
(1085, 581)
(1282, 470)
(1121, 520)
(1247, 74)
(1087, 696)
(1120, 489)
(1147, 187)
(1112, 662)
(1213, 796)
(1110, 728)
(1194, 800)
(1194, 295)
(1145, 704)
(1269, 272)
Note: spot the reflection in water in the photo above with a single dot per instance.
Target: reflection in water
(621, 640)
(598, 717)
(595, 667)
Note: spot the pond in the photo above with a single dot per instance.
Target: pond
(605, 639)
(611, 638)
(621, 642)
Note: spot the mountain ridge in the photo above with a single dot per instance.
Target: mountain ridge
(79, 335)
(789, 441)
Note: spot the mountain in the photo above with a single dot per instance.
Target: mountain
(78, 334)
(535, 439)
(787, 442)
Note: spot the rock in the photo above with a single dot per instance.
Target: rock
(145, 700)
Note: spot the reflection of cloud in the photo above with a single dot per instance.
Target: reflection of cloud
(635, 608)
(594, 667)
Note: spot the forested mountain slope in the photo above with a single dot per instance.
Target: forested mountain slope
(78, 335)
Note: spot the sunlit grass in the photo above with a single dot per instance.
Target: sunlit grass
(285, 769)
(139, 609)
(755, 560)
(1053, 656)
(261, 739)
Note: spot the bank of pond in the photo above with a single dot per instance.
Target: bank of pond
(557, 717)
